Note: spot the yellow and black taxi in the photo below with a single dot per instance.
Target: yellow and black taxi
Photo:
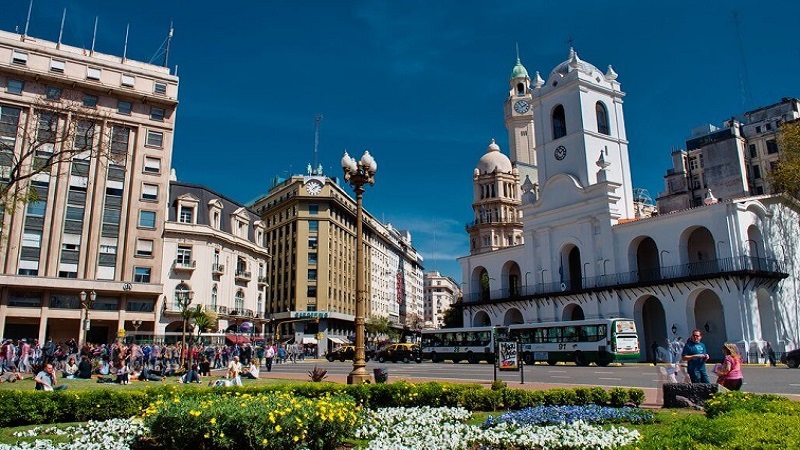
(400, 352)
(347, 353)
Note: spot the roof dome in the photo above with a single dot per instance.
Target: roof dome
(573, 63)
(494, 160)
(519, 71)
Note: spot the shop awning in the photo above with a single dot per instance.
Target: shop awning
(309, 340)
(236, 339)
(336, 340)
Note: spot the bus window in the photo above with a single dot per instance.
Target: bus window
(601, 331)
(569, 334)
(590, 333)
(554, 334)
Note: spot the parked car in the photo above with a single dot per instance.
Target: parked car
(400, 352)
(347, 353)
(792, 358)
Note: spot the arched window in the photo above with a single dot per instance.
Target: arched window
(259, 305)
(520, 89)
(559, 122)
(214, 298)
(602, 118)
(238, 302)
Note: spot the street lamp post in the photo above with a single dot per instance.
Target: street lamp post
(358, 174)
(136, 325)
(184, 299)
(86, 304)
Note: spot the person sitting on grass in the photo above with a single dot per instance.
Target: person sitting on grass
(145, 374)
(251, 372)
(84, 368)
(205, 367)
(46, 380)
(234, 371)
(70, 369)
(122, 372)
(191, 376)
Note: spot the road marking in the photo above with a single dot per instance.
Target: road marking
(556, 376)
(614, 379)
(604, 373)
(557, 371)
(790, 384)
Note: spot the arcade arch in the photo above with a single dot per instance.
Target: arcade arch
(511, 279)
(572, 311)
(651, 323)
(481, 319)
(705, 311)
(513, 316)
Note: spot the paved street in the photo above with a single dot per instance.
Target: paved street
(759, 379)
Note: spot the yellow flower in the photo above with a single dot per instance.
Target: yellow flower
(296, 438)
(264, 442)
(277, 428)
(213, 420)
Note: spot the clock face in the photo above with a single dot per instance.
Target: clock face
(521, 106)
(313, 187)
(561, 152)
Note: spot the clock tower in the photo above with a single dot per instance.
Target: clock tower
(519, 108)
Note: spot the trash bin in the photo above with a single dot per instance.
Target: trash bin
(381, 375)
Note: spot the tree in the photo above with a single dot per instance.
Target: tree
(64, 126)
(453, 317)
(204, 320)
(377, 326)
(786, 176)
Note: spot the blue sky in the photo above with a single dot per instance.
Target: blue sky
(422, 84)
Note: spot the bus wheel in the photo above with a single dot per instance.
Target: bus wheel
(528, 358)
(471, 358)
(580, 359)
(551, 362)
(603, 363)
(435, 358)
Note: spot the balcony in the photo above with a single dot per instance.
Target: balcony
(217, 269)
(494, 222)
(703, 270)
(243, 275)
(219, 309)
(262, 280)
(249, 313)
(184, 264)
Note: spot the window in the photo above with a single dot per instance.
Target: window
(313, 225)
(127, 80)
(756, 172)
(159, 88)
(758, 129)
(312, 242)
(184, 255)
(768, 126)
(84, 135)
(186, 215)
(92, 73)
(753, 150)
(312, 258)
(141, 274)
(152, 165)
(90, 101)
(57, 65)
(559, 122)
(602, 118)
(772, 147)
(147, 219)
(154, 139)
(238, 301)
(149, 191)
(14, 86)
(18, 57)
(313, 209)
(36, 209)
(53, 93)
(119, 139)
(312, 274)
(124, 107)
(312, 291)
(144, 247)
(214, 297)
(156, 113)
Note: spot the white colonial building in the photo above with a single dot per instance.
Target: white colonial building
(725, 267)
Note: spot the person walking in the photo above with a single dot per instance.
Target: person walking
(695, 355)
(269, 355)
(729, 373)
(769, 354)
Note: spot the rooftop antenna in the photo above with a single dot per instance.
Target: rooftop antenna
(94, 35)
(571, 42)
(169, 41)
(28, 20)
(61, 31)
(125, 48)
(744, 77)
(317, 121)
(517, 44)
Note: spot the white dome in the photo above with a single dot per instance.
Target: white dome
(573, 63)
(494, 160)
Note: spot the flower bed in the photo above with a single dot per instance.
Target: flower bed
(550, 415)
(437, 428)
(115, 434)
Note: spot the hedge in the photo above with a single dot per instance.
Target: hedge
(39, 407)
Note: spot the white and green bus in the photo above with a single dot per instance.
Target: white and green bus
(473, 344)
(599, 341)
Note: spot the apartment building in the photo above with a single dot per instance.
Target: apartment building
(310, 225)
(214, 254)
(79, 237)
(731, 161)
(440, 292)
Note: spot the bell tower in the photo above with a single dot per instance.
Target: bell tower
(519, 118)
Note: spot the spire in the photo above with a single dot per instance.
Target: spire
(519, 71)
(574, 61)
(710, 199)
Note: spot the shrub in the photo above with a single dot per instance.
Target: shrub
(317, 374)
(636, 396)
(737, 401)
(479, 399)
(265, 421)
(498, 385)
(600, 396)
(619, 397)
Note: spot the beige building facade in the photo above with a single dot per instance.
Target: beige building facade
(81, 232)
(310, 225)
(440, 292)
